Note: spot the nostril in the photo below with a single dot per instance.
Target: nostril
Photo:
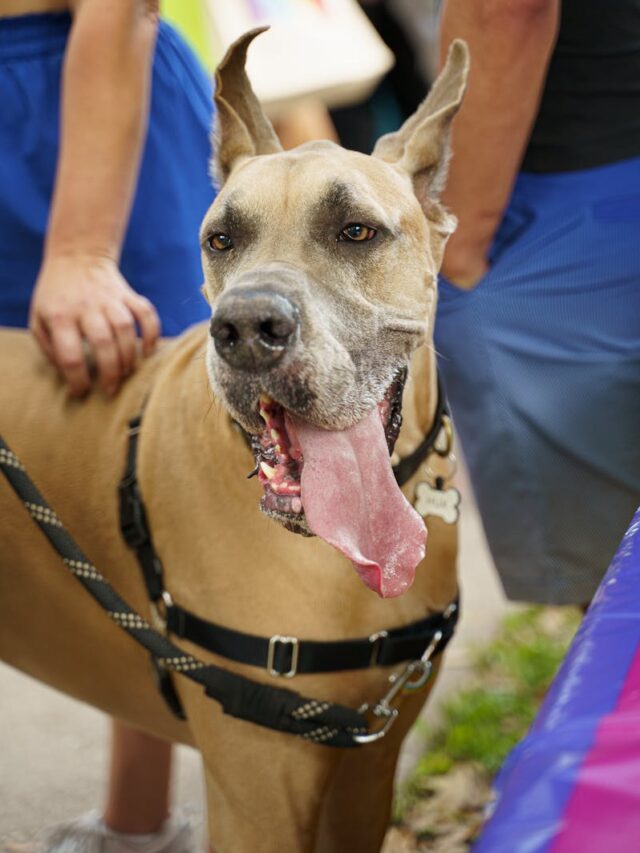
(276, 331)
(226, 333)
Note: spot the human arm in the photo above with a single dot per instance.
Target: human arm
(510, 43)
(80, 293)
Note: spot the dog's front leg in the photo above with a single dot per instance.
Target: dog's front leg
(264, 789)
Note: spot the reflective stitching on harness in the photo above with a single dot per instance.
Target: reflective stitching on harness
(320, 735)
(309, 710)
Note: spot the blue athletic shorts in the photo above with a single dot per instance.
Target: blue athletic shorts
(542, 368)
(160, 257)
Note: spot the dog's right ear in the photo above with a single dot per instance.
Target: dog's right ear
(241, 128)
(421, 146)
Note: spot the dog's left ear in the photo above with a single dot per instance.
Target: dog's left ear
(241, 128)
(421, 146)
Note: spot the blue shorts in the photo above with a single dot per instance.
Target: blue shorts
(542, 368)
(160, 257)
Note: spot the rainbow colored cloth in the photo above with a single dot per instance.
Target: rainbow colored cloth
(573, 784)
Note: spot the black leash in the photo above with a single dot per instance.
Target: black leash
(272, 707)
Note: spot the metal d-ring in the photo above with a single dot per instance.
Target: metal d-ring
(446, 431)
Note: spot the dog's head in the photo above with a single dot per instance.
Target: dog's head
(320, 268)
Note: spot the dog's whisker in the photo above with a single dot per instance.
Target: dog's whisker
(435, 351)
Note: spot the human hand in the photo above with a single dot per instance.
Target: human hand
(464, 273)
(79, 299)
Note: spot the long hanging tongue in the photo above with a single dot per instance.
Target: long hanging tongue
(351, 500)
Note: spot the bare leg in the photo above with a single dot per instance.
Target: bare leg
(139, 781)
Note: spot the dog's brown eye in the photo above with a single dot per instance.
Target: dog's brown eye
(357, 233)
(220, 242)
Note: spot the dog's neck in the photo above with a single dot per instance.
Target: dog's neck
(419, 401)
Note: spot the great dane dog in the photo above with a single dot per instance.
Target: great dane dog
(320, 267)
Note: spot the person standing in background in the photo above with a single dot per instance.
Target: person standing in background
(538, 325)
(104, 125)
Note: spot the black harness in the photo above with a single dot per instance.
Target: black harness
(274, 707)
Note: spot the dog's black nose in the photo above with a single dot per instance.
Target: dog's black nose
(252, 329)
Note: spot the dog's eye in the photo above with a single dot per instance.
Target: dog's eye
(220, 242)
(357, 233)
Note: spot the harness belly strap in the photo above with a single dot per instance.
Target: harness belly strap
(290, 656)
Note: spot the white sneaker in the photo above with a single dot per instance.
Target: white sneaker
(89, 834)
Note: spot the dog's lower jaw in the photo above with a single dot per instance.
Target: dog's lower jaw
(292, 523)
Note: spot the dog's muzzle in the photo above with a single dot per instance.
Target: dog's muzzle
(253, 328)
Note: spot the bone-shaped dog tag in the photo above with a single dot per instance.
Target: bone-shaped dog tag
(443, 503)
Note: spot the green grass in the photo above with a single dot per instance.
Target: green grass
(483, 722)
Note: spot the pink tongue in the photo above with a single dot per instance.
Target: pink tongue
(351, 500)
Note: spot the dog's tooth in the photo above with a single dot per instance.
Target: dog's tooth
(267, 470)
(275, 435)
(265, 399)
(264, 416)
(296, 506)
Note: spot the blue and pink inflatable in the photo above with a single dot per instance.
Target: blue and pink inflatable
(573, 784)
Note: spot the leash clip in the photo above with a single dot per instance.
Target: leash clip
(414, 677)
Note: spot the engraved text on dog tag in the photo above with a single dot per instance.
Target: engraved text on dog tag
(443, 503)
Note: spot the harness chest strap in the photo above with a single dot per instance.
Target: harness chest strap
(272, 707)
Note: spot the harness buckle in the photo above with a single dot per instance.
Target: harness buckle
(277, 639)
(376, 641)
(133, 521)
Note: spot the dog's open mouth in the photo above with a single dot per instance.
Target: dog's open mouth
(279, 457)
(339, 485)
